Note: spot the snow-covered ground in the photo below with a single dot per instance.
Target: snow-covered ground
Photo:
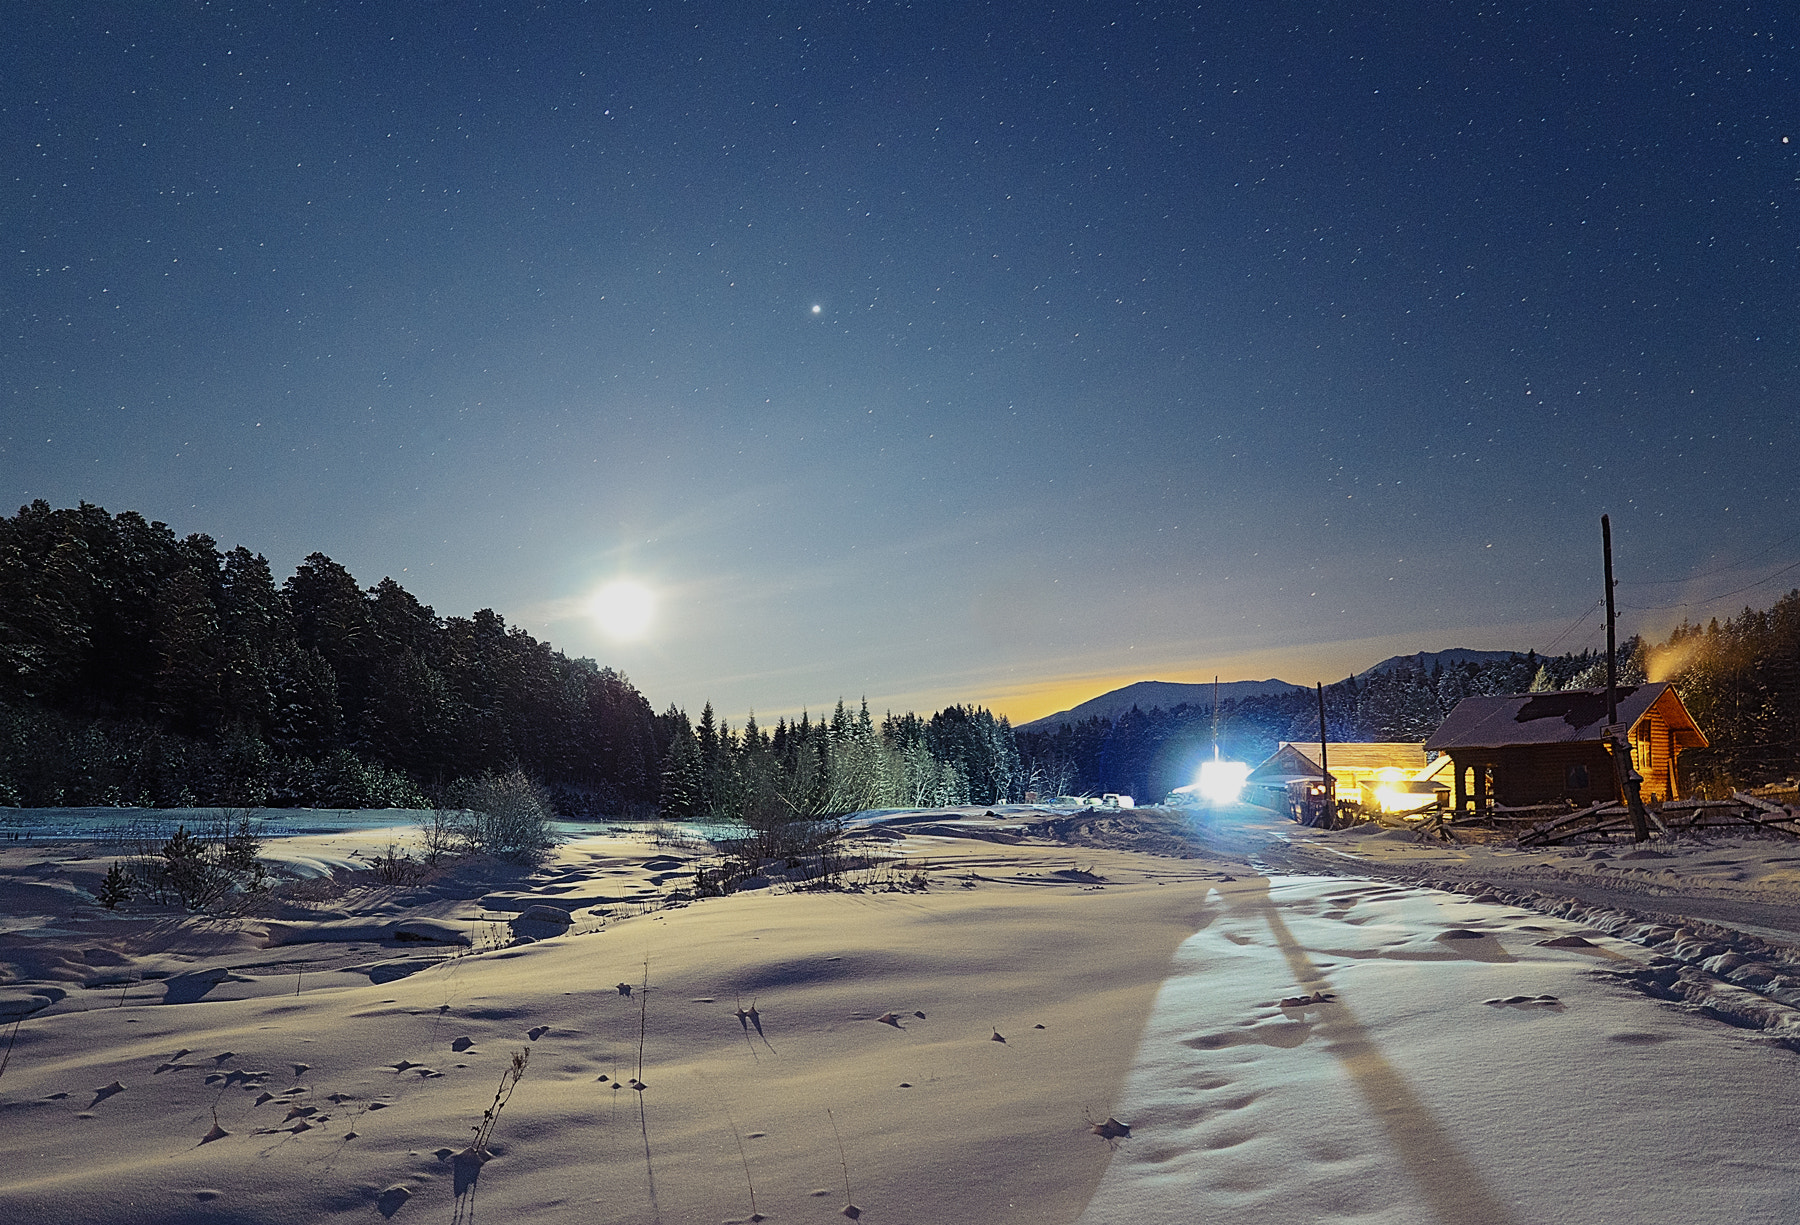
(1292, 1026)
(1465, 1062)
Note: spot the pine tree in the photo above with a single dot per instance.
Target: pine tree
(115, 887)
(711, 750)
(682, 781)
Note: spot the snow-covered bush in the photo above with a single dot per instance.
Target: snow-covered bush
(508, 815)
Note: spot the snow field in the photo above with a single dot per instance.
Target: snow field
(1457, 1072)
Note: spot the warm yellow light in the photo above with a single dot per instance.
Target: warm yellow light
(1399, 799)
(623, 608)
(1220, 781)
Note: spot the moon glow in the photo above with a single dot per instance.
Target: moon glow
(623, 609)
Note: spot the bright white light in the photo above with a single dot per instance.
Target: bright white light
(1220, 781)
(623, 608)
(817, 308)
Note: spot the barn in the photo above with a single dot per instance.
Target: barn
(1517, 750)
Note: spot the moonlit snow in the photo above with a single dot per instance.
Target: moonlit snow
(1014, 1016)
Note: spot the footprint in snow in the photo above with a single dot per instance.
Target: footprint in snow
(537, 1031)
(1111, 1130)
(1306, 1001)
(1526, 1001)
(390, 1200)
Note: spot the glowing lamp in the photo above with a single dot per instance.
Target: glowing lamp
(1220, 781)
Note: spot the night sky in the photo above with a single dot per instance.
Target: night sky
(931, 352)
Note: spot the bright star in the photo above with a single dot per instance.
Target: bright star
(817, 308)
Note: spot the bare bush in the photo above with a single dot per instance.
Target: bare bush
(397, 867)
(194, 870)
(191, 872)
(440, 834)
(507, 815)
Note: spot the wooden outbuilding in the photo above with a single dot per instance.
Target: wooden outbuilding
(1521, 749)
(1359, 769)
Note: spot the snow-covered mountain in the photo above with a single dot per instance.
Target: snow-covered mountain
(1148, 695)
(1427, 659)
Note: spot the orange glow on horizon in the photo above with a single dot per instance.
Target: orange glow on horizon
(1047, 698)
(1301, 664)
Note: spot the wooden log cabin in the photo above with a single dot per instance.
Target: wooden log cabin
(1521, 749)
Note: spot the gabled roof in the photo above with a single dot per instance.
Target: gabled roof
(1406, 755)
(1567, 716)
(1296, 759)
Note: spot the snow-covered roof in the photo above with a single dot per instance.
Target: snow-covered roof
(1565, 716)
(1407, 755)
(1293, 760)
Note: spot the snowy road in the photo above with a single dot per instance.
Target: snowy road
(1460, 1071)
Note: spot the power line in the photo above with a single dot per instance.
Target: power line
(1693, 578)
(1575, 624)
(1721, 596)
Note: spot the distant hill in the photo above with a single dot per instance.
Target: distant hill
(1426, 659)
(1148, 695)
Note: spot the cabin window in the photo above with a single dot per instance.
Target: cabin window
(1578, 778)
(1640, 749)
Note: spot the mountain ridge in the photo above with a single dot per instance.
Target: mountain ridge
(1150, 695)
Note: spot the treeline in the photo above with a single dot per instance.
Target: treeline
(141, 669)
(1741, 682)
(138, 669)
(847, 763)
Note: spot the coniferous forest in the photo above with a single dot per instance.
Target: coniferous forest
(141, 669)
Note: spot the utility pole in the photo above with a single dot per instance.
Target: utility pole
(1628, 777)
(1215, 714)
(1327, 784)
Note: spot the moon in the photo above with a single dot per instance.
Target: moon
(816, 308)
(623, 609)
